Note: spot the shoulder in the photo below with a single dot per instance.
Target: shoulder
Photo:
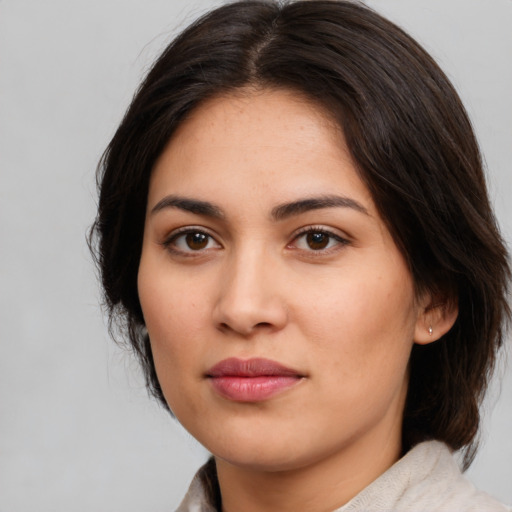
(443, 488)
(203, 493)
(426, 479)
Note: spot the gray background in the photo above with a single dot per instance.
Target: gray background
(77, 432)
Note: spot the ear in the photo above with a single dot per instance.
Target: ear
(435, 319)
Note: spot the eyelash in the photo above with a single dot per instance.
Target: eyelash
(322, 231)
(170, 242)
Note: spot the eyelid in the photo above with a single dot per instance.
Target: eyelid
(184, 230)
(342, 240)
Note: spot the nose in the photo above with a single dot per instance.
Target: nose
(250, 297)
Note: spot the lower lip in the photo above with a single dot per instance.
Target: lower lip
(252, 389)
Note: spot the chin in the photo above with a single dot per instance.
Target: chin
(261, 460)
(270, 453)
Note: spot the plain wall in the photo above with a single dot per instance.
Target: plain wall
(77, 431)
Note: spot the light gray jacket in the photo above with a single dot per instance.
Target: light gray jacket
(426, 479)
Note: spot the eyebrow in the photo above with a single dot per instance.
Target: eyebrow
(189, 205)
(287, 210)
(280, 212)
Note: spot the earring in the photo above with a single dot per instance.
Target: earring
(430, 330)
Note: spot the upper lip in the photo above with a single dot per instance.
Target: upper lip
(255, 367)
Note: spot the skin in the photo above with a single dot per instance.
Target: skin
(345, 316)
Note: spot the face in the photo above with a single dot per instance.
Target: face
(280, 312)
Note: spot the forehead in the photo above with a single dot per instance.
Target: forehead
(273, 141)
(284, 106)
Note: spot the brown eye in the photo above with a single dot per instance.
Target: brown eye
(317, 241)
(190, 241)
(196, 241)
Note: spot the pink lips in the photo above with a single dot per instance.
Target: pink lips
(251, 380)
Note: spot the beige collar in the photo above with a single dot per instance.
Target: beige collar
(426, 479)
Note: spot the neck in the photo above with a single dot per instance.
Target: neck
(321, 486)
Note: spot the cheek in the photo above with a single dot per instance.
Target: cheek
(173, 328)
(170, 314)
(173, 324)
(368, 320)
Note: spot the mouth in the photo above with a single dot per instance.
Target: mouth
(251, 380)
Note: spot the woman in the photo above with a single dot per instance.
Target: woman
(294, 229)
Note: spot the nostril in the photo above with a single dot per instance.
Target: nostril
(246, 331)
(263, 324)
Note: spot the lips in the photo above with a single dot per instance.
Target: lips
(251, 380)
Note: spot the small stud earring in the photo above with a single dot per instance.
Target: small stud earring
(430, 330)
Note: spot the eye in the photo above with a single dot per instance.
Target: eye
(190, 240)
(316, 239)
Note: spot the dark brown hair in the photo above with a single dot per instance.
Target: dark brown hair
(415, 150)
